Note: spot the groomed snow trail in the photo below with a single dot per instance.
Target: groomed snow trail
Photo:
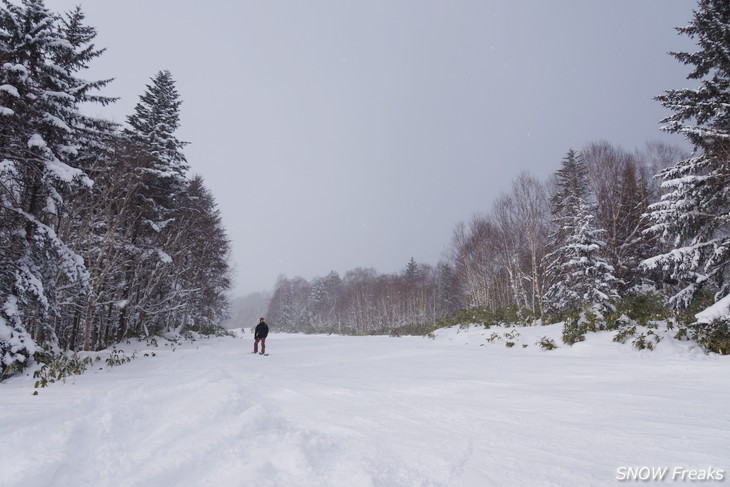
(371, 411)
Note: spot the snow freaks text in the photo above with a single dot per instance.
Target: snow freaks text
(658, 474)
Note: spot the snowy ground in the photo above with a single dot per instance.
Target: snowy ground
(372, 411)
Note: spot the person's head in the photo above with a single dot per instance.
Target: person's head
(261, 320)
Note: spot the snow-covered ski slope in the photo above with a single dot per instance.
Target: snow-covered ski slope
(372, 411)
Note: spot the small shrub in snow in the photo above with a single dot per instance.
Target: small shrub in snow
(509, 344)
(624, 333)
(682, 333)
(493, 337)
(57, 367)
(546, 343)
(644, 308)
(702, 300)
(713, 336)
(511, 335)
(648, 340)
(481, 316)
(619, 322)
(189, 335)
(574, 331)
(118, 357)
(592, 321)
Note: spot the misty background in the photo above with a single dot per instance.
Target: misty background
(337, 135)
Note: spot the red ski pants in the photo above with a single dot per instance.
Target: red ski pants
(256, 345)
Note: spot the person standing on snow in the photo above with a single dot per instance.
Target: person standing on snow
(259, 335)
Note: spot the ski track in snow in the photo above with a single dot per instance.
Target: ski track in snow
(372, 411)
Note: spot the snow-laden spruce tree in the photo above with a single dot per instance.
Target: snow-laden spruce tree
(43, 137)
(579, 276)
(151, 292)
(153, 124)
(202, 270)
(693, 217)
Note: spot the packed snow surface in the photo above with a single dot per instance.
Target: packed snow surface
(372, 411)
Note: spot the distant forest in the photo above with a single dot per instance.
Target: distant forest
(515, 257)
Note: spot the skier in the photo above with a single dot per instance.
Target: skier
(260, 334)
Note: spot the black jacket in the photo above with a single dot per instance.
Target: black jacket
(262, 330)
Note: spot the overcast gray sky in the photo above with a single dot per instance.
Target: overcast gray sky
(343, 134)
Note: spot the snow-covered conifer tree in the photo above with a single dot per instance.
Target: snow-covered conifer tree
(202, 259)
(154, 122)
(151, 280)
(578, 273)
(693, 217)
(42, 138)
(412, 272)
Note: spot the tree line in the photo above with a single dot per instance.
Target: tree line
(576, 238)
(516, 256)
(103, 235)
(609, 226)
(362, 301)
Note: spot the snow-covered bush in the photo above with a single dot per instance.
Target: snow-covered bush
(483, 317)
(493, 337)
(642, 308)
(16, 349)
(577, 324)
(714, 336)
(701, 301)
(118, 357)
(648, 340)
(586, 314)
(624, 332)
(512, 334)
(546, 343)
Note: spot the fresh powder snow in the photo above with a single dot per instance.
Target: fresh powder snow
(452, 410)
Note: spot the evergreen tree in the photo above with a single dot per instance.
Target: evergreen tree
(43, 137)
(202, 261)
(693, 217)
(572, 181)
(630, 244)
(154, 122)
(412, 272)
(152, 273)
(577, 271)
